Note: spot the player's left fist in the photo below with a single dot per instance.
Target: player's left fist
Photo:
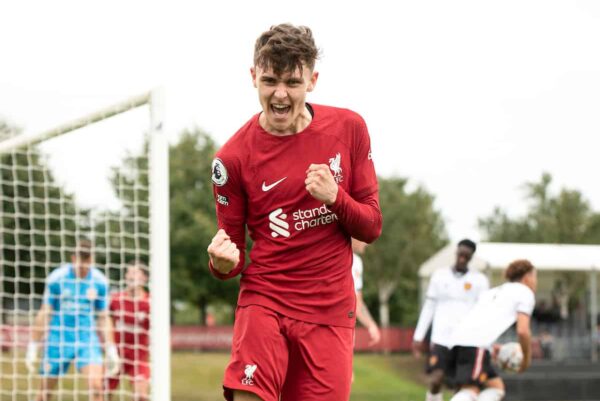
(320, 183)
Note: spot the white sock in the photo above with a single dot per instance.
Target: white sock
(464, 395)
(434, 397)
(491, 394)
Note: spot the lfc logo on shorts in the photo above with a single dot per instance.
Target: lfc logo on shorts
(249, 372)
(468, 286)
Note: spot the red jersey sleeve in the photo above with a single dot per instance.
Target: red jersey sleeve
(364, 179)
(359, 211)
(230, 200)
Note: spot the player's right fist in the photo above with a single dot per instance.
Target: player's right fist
(223, 253)
(31, 356)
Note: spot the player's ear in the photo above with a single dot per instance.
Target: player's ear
(313, 81)
(253, 74)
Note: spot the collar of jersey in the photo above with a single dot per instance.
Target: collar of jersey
(459, 274)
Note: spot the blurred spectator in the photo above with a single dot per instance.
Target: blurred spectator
(561, 299)
(546, 343)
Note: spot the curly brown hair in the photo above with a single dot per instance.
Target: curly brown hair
(284, 48)
(517, 269)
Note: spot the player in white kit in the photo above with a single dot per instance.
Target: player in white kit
(496, 311)
(452, 292)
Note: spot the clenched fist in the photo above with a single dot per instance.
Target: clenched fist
(321, 184)
(223, 253)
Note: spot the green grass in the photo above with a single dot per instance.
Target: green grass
(197, 377)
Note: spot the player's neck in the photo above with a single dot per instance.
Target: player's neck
(462, 271)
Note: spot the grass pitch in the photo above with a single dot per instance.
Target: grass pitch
(197, 377)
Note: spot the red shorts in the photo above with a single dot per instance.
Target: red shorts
(134, 369)
(275, 356)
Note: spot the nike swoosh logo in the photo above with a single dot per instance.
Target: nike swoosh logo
(266, 188)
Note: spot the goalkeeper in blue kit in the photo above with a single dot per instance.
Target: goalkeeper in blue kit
(74, 309)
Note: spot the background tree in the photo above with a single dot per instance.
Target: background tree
(412, 231)
(36, 218)
(562, 218)
(193, 223)
(192, 217)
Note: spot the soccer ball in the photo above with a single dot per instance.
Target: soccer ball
(510, 356)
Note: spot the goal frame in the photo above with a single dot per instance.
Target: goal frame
(158, 165)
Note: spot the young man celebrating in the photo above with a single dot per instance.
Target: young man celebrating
(300, 177)
(452, 292)
(74, 298)
(496, 311)
(130, 311)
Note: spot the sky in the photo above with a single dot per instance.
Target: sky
(469, 99)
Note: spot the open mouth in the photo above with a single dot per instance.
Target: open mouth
(280, 109)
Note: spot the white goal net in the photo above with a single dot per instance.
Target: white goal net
(102, 178)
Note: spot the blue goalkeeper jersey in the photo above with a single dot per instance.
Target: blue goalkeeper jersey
(75, 302)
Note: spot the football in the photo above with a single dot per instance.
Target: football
(510, 356)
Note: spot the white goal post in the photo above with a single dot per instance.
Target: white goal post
(157, 235)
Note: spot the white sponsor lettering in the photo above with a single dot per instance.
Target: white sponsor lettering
(222, 200)
(309, 218)
(303, 219)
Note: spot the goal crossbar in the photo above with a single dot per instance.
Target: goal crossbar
(30, 139)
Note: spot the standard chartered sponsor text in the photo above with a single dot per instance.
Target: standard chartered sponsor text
(314, 217)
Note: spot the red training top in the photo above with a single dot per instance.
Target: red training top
(131, 317)
(301, 257)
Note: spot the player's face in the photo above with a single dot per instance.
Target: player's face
(135, 277)
(283, 98)
(81, 263)
(463, 257)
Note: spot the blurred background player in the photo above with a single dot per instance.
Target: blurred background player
(496, 311)
(75, 298)
(452, 292)
(301, 178)
(130, 311)
(362, 312)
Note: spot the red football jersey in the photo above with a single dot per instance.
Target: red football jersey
(301, 255)
(131, 317)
